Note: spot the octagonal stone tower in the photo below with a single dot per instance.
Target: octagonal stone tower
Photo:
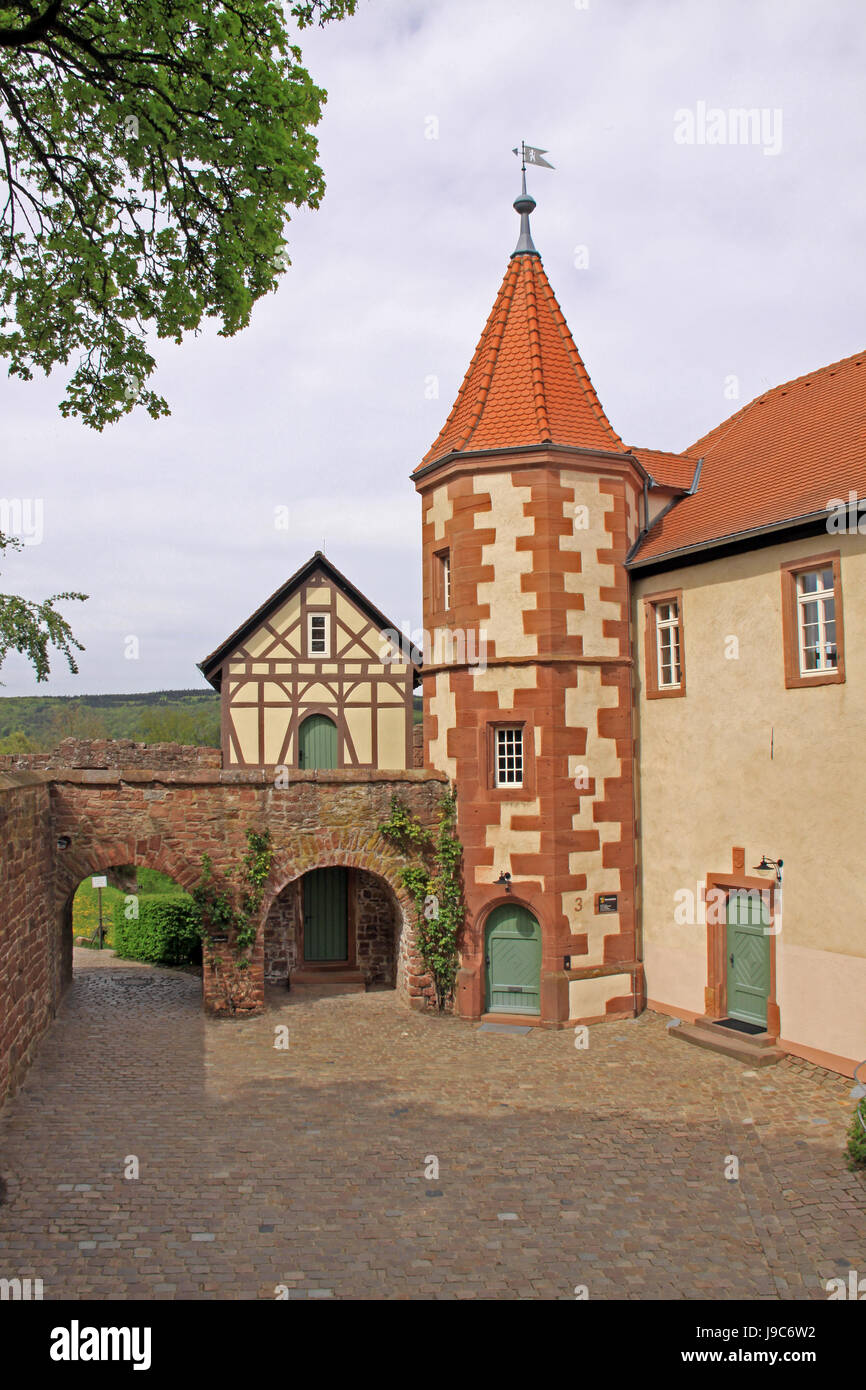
(530, 504)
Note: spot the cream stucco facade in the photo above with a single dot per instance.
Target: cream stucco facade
(740, 761)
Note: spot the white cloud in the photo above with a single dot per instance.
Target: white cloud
(703, 262)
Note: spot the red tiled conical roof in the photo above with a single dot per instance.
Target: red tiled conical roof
(526, 383)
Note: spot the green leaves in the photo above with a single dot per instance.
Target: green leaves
(435, 886)
(403, 829)
(31, 628)
(151, 150)
(236, 911)
(856, 1146)
(165, 932)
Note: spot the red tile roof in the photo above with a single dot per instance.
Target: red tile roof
(786, 455)
(668, 470)
(526, 383)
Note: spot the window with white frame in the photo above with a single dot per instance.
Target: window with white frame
(318, 643)
(509, 757)
(816, 620)
(442, 595)
(668, 659)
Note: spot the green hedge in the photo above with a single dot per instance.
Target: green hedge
(857, 1140)
(166, 931)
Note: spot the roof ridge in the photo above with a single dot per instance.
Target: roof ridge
(772, 391)
(317, 560)
(672, 453)
(535, 364)
(577, 363)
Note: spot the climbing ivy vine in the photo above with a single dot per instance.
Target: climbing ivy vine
(856, 1147)
(434, 881)
(235, 910)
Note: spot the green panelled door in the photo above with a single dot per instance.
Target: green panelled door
(748, 957)
(513, 961)
(317, 742)
(326, 922)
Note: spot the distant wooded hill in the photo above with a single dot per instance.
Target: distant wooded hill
(37, 723)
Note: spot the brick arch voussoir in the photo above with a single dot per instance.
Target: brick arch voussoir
(151, 852)
(332, 851)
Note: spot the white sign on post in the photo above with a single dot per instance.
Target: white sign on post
(99, 881)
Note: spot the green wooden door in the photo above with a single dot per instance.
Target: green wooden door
(513, 961)
(326, 921)
(317, 742)
(748, 957)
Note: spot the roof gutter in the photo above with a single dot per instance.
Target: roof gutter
(522, 449)
(688, 492)
(734, 538)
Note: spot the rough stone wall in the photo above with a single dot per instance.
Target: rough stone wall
(283, 934)
(167, 819)
(112, 753)
(377, 930)
(31, 967)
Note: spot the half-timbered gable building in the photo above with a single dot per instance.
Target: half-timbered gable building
(316, 678)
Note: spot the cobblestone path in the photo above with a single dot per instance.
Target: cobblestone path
(306, 1168)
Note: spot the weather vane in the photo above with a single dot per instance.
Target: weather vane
(531, 154)
(525, 204)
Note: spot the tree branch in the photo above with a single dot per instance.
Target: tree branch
(32, 32)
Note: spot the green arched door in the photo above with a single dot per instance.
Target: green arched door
(513, 959)
(317, 742)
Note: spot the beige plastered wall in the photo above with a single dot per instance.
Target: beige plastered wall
(708, 783)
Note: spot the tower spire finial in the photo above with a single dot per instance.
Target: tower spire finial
(525, 204)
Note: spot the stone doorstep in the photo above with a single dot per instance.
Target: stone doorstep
(711, 1026)
(519, 1020)
(310, 983)
(757, 1049)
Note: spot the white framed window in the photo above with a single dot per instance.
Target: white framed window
(442, 580)
(668, 659)
(318, 634)
(509, 757)
(816, 621)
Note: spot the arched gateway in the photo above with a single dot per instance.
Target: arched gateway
(334, 896)
(61, 825)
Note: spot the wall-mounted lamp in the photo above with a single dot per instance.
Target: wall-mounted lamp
(63, 841)
(776, 864)
(505, 880)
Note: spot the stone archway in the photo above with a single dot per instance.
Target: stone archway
(99, 859)
(375, 930)
(383, 922)
(108, 862)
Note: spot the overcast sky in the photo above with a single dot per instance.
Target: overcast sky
(705, 262)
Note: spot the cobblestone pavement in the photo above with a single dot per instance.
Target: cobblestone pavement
(305, 1167)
